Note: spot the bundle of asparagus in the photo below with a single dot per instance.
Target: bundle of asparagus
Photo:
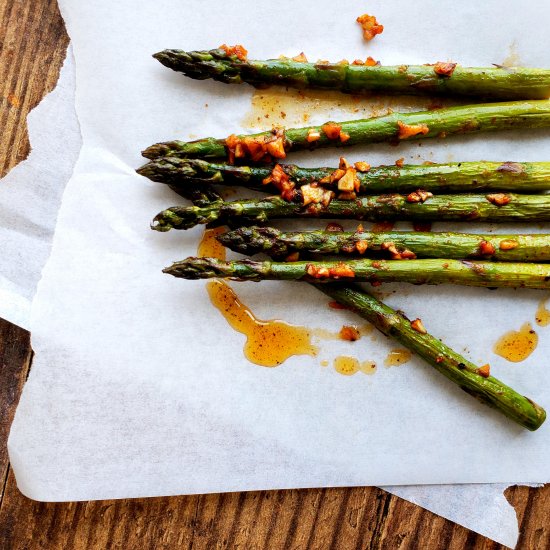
(469, 191)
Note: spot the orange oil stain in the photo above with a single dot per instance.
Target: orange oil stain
(279, 106)
(397, 357)
(517, 345)
(542, 317)
(382, 227)
(210, 246)
(346, 365)
(368, 367)
(268, 343)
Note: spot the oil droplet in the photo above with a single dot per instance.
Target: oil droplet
(268, 343)
(542, 317)
(397, 357)
(210, 246)
(422, 226)
(324, 363)
(382, 227)
(368, 367)
(516, 346)
(346, 365)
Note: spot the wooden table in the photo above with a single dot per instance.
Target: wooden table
(33, 42)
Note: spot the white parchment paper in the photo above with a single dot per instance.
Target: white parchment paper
(30, 196)
(105, 389)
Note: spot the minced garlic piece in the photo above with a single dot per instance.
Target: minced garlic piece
(239, 51)
(418, 326)
(347, 181)
(362, 166)
(499, 199)
(313, 135)
(444, 69)
(486, 248)
(370, 26)
(508, 244)
(405, 131)
(300, 58)
(361, 246)
(332, 130)
(484, 371)
(420, 195)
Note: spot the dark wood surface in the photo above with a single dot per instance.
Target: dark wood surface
(32, 47)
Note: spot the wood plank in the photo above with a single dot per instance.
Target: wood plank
(33, 43)
(532, 507)
(32, 46)
(299, 519)
(15, 354)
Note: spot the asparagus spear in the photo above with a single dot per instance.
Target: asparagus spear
(450, 364)
(440, 271)
(393, 127)
(513, 208)
(493, 83)
(526, 177)
(394, 244)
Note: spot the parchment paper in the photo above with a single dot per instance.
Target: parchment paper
(30, 196)
(123, 380)
(459, 503)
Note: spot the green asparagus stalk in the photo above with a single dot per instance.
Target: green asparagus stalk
(520, 208)
(458, 369)
(488, 83)
(280, 244)
(429, 271)
(429, 124)
(455, 177)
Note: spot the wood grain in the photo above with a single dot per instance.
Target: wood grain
(33, 42)
(15, 354)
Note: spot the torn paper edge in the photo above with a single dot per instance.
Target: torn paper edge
(25, 178)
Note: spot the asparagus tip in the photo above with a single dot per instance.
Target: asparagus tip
(251, 240)
(166, 220)
(166, 57)
(186, 217)
(193, 268)
(156, 150)
(145, 170)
